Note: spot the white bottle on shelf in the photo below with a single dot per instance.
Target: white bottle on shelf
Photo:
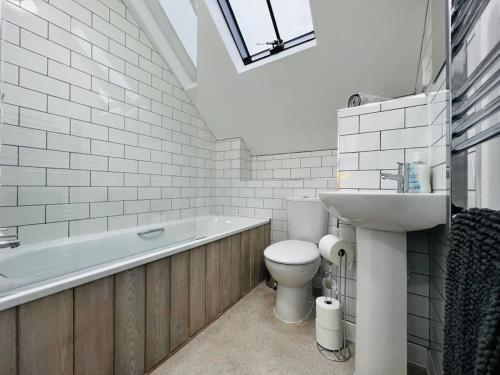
(419, 175)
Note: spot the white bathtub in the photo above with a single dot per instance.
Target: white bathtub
(34, 271)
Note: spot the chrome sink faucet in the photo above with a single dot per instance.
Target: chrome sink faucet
(11, 241)
(402, 177)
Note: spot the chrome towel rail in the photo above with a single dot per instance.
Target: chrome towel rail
(483, 136)
(479, 72)
(461, 126)
(460, 107)
(466, 17)
(469, 111)
(473, 65)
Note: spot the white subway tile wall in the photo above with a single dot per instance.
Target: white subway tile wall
(97, 134)
(374, 141)
(437, 272)
(259, 185)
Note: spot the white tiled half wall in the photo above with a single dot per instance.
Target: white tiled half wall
(374, 137)
(97, 134)
(259, 185)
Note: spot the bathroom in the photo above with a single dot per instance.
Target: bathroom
(249, 187)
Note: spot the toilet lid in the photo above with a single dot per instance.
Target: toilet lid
(292, 252)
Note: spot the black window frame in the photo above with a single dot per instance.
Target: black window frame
(277, 46)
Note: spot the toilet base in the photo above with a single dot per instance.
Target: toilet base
(294, 304)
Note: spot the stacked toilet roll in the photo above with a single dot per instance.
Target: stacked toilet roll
(328, 323)
(329, 332)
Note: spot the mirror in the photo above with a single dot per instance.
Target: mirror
(438, 21)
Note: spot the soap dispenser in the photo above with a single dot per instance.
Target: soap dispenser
(419, 177)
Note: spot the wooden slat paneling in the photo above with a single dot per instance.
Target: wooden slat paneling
(257, 245)
(225, 272)
(235, 267)
(261, 247)
(267, 235)
(130, 316)
(212, 281)
(93, 330)
(267, 242)
(157, 312)
(197, 289)
(179, 299)
(245, 262)
(254, 257)
(45, 329)
(8, 342)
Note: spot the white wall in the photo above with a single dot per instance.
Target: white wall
(291, 104)
(97, 134)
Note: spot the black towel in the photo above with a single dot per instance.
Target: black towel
(472, 309)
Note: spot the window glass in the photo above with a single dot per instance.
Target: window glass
(255, 23)
(293, 18)
(256, 37)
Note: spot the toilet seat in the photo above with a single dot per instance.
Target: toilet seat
(293, 252)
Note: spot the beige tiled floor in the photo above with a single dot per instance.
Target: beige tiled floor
(249, 340)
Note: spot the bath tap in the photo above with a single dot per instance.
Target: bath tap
(11, 241)
(402, 177)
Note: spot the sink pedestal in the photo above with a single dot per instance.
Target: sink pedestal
(381, 287)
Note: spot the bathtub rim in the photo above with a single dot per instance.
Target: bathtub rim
(58, 284)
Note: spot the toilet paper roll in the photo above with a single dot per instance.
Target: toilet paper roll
(328, 314)
(330, 339)
(329, 247)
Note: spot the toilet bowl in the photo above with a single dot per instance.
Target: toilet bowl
(293, 264)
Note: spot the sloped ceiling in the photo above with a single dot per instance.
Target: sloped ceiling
(291, 104)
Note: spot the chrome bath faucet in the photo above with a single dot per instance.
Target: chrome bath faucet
(11, 241)
(402, 177)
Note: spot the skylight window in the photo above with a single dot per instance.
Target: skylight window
(261, 28)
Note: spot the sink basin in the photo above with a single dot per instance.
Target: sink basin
(391, 212)
(382, 220)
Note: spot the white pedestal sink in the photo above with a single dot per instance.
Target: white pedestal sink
(382, 220)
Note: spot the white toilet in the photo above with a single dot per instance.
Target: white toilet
(293, 263)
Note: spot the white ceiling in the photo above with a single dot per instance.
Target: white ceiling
(291, 104)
